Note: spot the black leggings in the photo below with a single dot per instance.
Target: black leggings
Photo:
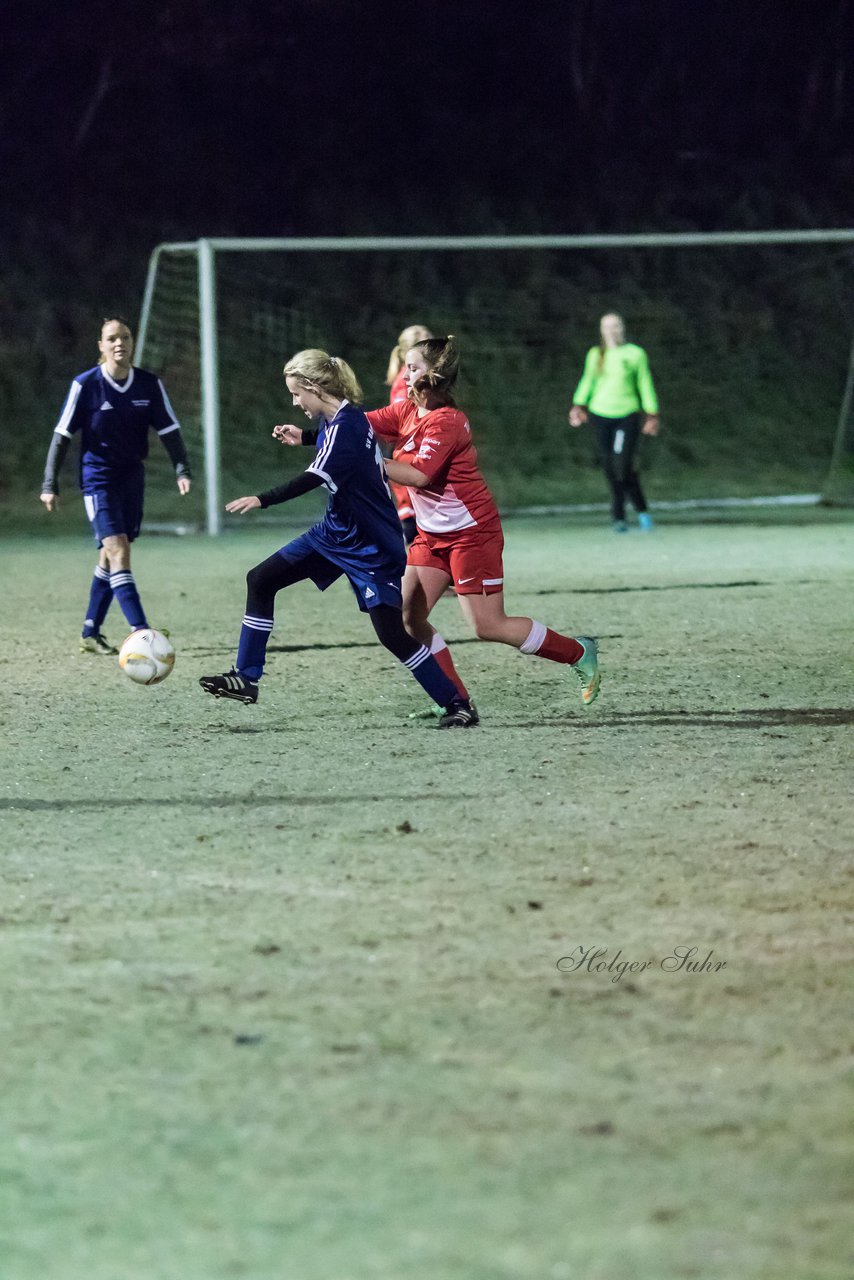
(617, 441)
(271, 575)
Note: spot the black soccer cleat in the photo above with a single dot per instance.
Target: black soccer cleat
(96, 643)
(459, 714)
(231, 685)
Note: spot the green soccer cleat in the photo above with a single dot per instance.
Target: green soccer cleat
(587, 669)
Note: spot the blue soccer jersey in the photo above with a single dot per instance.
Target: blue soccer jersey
(113, 419)
(360, 531)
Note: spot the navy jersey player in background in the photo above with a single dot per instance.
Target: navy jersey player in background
(113, 407)
(359, 537)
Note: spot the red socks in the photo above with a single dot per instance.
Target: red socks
(442, 654)
(551, 645)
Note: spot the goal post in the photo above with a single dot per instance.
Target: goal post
(839, 483)
(220, 316)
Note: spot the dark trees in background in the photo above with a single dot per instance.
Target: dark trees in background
(123, 125)
(226, 116)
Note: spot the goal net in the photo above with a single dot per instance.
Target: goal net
(749, 337)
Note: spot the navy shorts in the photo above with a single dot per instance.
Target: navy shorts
(117, 509)
(371, 588)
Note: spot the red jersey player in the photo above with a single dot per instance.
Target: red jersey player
(398, 390)
(459, 539)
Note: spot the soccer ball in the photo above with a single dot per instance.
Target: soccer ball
(146, 656)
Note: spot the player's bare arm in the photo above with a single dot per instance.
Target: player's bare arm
(403, 473)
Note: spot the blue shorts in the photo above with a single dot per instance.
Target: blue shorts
(370, 589)
(118, 509)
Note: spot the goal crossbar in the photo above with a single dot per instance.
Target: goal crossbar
(206, 248)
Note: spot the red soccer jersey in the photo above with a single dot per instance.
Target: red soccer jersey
(438, 444)
(399, 389)
(400, 493)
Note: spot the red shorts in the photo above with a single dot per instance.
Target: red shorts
(470, 558)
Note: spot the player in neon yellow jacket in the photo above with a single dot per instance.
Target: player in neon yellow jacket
(615, 388)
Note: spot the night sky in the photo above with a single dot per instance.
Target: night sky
(142, 121)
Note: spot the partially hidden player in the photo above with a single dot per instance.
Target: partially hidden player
(396, 382)
(460, 540)
(359, 537)
(113, 407)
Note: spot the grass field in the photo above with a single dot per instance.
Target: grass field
(293, 991)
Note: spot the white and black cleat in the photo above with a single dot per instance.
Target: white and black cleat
(231, 685)
(459, 714)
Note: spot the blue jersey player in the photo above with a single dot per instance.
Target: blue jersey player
(112, 407)
(359, 537)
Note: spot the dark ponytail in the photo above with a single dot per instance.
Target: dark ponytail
(443, 365)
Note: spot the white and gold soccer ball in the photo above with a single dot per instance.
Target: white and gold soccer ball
(146, 657)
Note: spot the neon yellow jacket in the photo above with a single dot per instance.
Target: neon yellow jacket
(623, 386)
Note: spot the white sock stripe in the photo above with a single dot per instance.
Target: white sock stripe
(103, 574)
(419, 656)
(257, 624)
(121, 579)
(534, 638)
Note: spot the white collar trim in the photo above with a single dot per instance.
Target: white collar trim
(121, 387)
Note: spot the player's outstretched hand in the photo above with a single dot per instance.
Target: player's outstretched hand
(242, 505)
(183, 485)
(50, 500)
(651, 426)
(577, 416)
(286, 434)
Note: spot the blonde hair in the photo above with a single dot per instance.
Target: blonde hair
(321, 372)
(407, 339)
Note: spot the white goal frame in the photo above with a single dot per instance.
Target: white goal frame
(206, 249)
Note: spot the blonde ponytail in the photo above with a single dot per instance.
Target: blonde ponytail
(321, 372)
(407, 339)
